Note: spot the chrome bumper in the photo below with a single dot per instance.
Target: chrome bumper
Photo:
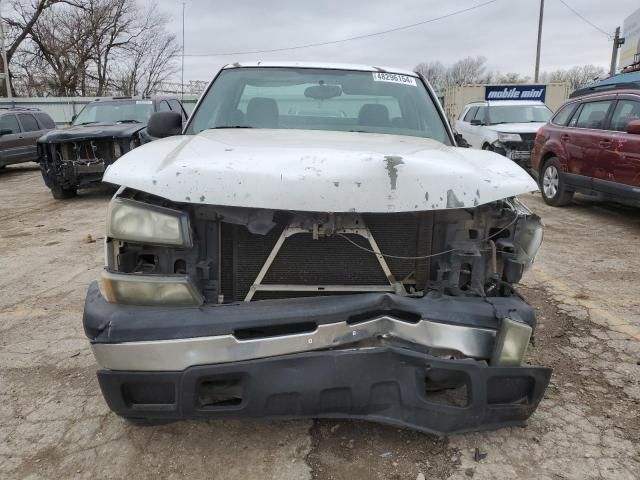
(180, 354)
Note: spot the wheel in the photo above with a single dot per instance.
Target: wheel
(60, 193)
(488, 147)
(552, 185)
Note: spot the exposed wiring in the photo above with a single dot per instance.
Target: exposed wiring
(586, 20)
(425, 256)
(333, 42)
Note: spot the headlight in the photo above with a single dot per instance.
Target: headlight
(511, 345)
(131, 289)
(143, 223)
(509, 137)
(529, 236)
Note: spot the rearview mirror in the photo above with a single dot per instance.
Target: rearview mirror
(5, 131)
(476, 122)
(633, 127)
(323, 92)
(164, 124)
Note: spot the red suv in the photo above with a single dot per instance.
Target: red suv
(591, 145)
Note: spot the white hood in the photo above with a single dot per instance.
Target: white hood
(531, 127)
(314, 170)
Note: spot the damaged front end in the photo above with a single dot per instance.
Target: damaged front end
(78, 157)
(407, 318)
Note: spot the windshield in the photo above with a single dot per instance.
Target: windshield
(518, 114)
(114, 111)
(319, 99)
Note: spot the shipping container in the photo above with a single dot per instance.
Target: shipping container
(455, 98)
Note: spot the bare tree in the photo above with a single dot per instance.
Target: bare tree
(148, 60)
(23, 16)
(434, 72)
(465, 71)
(61, 38)
(577, 77)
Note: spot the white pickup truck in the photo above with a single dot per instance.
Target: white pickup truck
(507, 127)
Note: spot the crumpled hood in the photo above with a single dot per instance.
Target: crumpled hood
(98, 130)
(517, 127)
(313, 170)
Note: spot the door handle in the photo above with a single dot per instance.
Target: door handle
(605, 143)
(564, 137)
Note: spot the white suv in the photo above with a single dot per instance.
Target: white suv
(505, 127)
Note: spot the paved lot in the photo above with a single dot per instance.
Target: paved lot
(54, 424)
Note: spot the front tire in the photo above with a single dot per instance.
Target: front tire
(60, 193)
(552, 185)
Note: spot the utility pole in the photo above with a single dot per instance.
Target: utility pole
(3, 51)
(537, 72)
(182, 69)
(617, 43)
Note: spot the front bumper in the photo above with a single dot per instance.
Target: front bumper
(373, 356)
(519, 152)
(384, 384)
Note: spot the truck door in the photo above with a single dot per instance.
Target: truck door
(620, 156)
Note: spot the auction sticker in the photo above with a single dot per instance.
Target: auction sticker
(394, 78)
(144, 102)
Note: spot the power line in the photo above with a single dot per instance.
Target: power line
(586, 20)
(333, 42)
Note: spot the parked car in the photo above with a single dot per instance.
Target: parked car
(20, 129)
(507, 127)
(592, 146)
(315, 264)
(103, 131)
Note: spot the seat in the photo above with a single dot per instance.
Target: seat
(373, 115)
(236, 118)
(262, 112)
(595, 119)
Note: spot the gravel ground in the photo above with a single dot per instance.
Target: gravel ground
(54, 423)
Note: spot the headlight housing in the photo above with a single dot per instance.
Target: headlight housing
(139, 222)
(509, 137)
(128, 289)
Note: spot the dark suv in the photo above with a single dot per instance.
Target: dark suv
(105, 129)
(20, 129)
(591, 145)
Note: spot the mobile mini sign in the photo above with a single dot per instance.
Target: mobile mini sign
(515, 92)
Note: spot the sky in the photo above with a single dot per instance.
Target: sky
(504, 31)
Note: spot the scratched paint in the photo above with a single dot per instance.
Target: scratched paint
(391, 165)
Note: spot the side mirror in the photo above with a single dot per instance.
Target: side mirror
(633, 127)
(460, 141)
(5, 131)
(164, 124)
(476, 122)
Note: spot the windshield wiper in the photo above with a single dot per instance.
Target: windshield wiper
(86, 123)
(129, 121)
(228, 126)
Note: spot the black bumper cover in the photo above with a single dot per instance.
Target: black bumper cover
(105, 322)
(384, 384)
